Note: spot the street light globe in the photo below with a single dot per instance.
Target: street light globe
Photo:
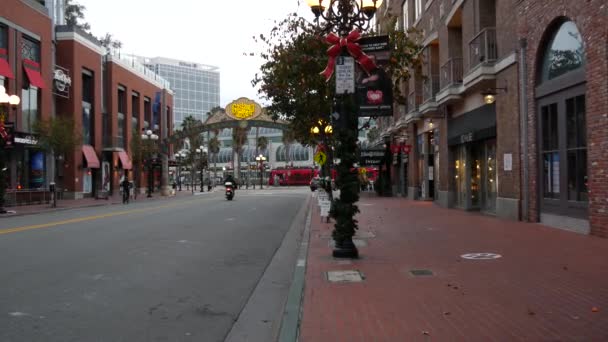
(489, 98)
(2, 89)
(329, 129)
(149, 132)
(14, 100)
(154, 137)
(144, 137)
(198, 150)
(314, 130)
(4, 98)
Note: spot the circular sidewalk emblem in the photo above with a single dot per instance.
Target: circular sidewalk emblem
(481, 256)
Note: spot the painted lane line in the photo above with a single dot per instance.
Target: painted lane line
(81, 219)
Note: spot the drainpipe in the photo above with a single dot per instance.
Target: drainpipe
(523, 118)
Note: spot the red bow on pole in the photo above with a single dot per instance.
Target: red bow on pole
(350, 42)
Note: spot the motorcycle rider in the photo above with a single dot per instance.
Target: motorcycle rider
(230, 178)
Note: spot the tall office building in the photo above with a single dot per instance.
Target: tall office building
(196, 86)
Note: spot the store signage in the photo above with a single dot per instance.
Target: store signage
(466, 138)
(61, 82)
(25, 138)
(371, 157)
(243, 109)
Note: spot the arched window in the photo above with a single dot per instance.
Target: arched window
(562, 123)
(565, 52)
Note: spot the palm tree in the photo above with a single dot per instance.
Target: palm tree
(288, 139)
(262, 143)
(214, 147)
(239, 138)
(190, 128)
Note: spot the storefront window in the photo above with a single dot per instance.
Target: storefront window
(550, 152)
(87, 108)
(577, 149)
(122, 109)
(29, 106)
(460, 176)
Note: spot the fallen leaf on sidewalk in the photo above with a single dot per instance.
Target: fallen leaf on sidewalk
(426, 333)
(531, 313)
(446, 313)
(595, 309)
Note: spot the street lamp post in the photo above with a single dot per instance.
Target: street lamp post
(6, 102)
(261, 159)
(347, 18)
(150, 136)
(179, 157)
(203, 151)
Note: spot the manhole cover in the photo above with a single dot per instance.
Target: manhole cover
(344, 276)
(421, 273)
(481, 256)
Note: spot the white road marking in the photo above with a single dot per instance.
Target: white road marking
(18, 314)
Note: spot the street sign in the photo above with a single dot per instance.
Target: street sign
(345, 75)
(320, 158)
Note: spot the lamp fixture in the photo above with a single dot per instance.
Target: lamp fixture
(357, 13)
(489, 95)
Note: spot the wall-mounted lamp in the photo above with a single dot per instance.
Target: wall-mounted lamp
(489, 95)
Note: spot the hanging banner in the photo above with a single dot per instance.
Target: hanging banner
(374, 91)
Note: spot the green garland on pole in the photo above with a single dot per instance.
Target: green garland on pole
(344, 208)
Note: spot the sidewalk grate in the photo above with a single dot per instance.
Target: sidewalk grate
(349, 276)
(421, 273)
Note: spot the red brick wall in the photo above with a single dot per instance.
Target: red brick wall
(591, 18)
(18, 13)
(508, 135)
(75, 56)
(116, 74)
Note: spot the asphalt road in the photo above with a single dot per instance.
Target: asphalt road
(175, 270)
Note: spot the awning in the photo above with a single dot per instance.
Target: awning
(34, 76)
(5, 69)
(91, 156)
(124, 160)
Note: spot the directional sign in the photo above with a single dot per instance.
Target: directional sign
(320, 158)
(345, 75)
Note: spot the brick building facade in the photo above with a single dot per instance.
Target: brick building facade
(63, 71)
(478, 152)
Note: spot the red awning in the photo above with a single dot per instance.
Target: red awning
(34, 77)
(5, 69)
(91, 156)
(124, 160)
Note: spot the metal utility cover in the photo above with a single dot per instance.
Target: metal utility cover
(421, 273)
(349, 276)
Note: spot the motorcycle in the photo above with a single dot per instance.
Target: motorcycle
(229, 190)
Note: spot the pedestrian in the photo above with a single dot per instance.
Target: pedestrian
(125, 185)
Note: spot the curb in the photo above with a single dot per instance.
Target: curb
(290, 324)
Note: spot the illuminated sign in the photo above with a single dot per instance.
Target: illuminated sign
(243, 109)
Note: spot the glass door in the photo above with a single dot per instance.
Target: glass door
(460, 176)
(489, 177)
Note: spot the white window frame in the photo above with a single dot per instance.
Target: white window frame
(417, 9)
(406, 19)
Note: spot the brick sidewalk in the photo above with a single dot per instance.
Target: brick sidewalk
(549, 285)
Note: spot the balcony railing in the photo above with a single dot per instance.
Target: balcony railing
(483, 48)
(430, 87)
(414, 99)
(451, 73)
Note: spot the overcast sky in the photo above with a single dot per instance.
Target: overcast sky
(214, 32)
